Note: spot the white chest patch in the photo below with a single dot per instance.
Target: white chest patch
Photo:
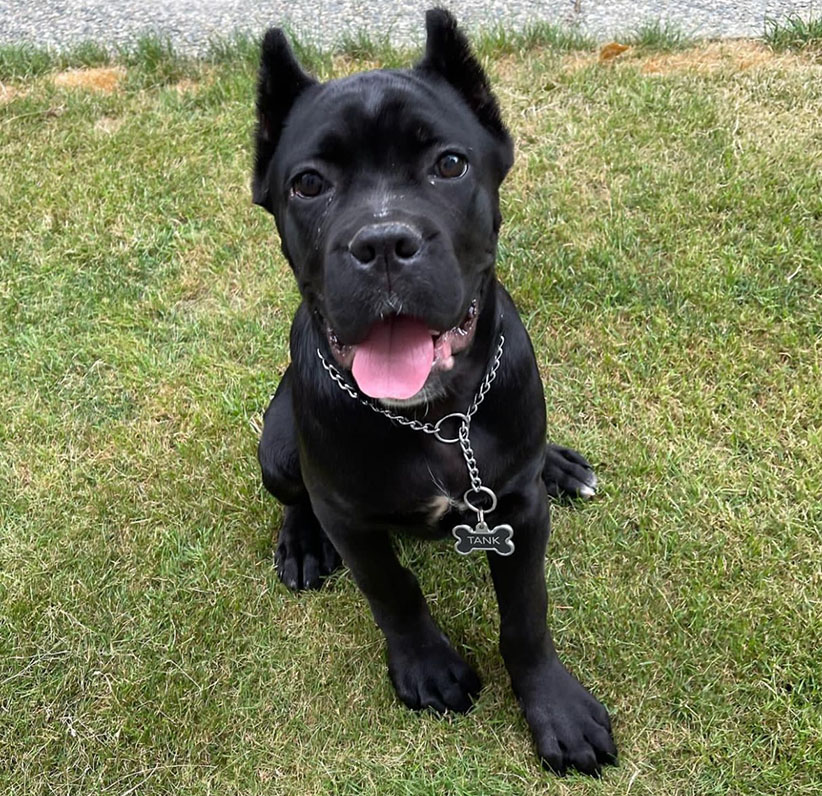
(439, 506)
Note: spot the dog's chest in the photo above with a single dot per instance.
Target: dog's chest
(381, 475)
(437, 480)
(411, 486)
(446, 483)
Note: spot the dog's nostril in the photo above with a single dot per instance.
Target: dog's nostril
(364, 252)
(407, 245)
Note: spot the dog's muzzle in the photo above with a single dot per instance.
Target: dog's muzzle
(400, 352)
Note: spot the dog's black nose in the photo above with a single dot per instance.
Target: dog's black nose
(392, 243)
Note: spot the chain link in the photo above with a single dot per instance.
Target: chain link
(435, 429)
(468, 455)
(416, 425)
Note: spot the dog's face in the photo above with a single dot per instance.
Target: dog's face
(384, 188)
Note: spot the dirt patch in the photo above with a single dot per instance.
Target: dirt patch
(104, 79)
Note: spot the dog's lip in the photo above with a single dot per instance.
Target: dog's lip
(447, 342)
(464, 327)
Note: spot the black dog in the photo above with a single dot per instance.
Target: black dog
(384, 187)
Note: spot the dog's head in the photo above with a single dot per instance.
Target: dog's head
(384, 189)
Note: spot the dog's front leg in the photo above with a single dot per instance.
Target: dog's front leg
(427, 672)
(570, 727)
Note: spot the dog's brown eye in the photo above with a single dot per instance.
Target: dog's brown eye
(451, 165)
(308, 185)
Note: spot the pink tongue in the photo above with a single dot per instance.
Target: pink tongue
(395, 359)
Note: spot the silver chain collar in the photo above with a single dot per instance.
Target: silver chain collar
(481, 537)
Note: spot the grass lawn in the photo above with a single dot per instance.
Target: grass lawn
(663, 239)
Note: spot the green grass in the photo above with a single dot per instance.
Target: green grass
(153, 57)
(795, 33)
(150, 58)
(21, 61)
(361, 45)
(663, 239)
(500, 40)
(659, 36)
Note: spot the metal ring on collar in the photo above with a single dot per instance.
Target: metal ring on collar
(438, 427)
(480, 490)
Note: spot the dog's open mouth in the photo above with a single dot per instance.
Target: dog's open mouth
(399, 353)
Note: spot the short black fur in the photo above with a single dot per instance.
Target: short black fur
(448, 54)
(350, 477)
(280, 81)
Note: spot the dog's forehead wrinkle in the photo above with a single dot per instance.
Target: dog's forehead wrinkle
(387, 201)
(374, 83)
(374, 103)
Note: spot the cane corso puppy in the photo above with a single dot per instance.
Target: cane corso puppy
(384, 187)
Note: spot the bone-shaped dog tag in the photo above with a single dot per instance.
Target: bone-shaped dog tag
(482, 537)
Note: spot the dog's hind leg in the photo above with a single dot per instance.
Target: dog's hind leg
(566, 473)
(304, 554)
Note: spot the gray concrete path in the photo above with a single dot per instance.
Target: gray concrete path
(192, 23)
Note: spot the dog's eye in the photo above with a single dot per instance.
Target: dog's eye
(451, 165)
(308, 185)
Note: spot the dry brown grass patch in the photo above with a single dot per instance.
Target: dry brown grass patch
(734, 55)
(572, 62)
(506, 68)
(8, 93)
(104, 79)
(187, 86)
(108, 125)
(343, 65)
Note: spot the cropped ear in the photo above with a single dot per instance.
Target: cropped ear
(448, 54)
(281, 80)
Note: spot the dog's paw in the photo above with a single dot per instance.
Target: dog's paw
(304, 556)
(432, 674)
(570, 727)
(566, 473)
